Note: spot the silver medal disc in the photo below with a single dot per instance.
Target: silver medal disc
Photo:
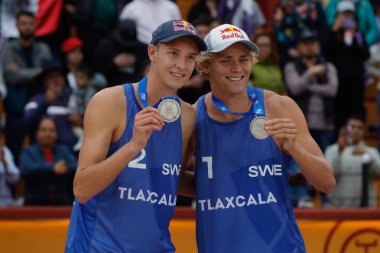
(170, 110)
(257, 127)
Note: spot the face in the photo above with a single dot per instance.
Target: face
(74, 57)
(26, 26)
(264, 43)
(229, 70)
(203, 30)
(356, 129)
(172, 63)
(46, 133)
(81, 78)
(309, 48)
(54, 80)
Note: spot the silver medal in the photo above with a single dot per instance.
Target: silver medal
(257, 127)
(170, 110)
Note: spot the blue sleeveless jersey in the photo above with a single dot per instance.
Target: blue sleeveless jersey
(133, 213)
(241, 183)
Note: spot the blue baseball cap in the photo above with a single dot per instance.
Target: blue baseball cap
(174, 29)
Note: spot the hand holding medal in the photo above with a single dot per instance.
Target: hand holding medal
(284, 131)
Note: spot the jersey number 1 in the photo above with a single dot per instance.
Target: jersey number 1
(208, 160)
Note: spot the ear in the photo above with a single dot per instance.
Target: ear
(152, 53)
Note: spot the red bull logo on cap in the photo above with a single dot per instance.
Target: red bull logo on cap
(231, 32)
(183, 26)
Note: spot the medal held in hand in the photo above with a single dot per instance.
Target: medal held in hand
(169, 108)
(257, 125)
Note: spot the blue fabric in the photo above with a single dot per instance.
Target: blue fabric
(242, 190)
(133, 213)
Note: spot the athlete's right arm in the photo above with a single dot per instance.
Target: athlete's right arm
(101, 121)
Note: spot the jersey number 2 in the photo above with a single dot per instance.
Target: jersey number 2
(135, 163)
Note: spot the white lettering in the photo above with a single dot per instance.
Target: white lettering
(266, 170)
(122, 190)
(171, 169)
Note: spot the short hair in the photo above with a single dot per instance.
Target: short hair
(356, 116)
(203, 61)
(25, 13)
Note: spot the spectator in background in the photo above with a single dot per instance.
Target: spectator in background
(121, 57)
(364, 15)
(94, 20)
(346, 157)
(8, 13)
(73, 58)
(78, 102)
(48, 168)
(203, 9)
(313, 83)
(147, 14)
(290, 18)
(53, 101)
(347, 49)
(23, 61)
(245, 14)
(267, 74)
(9, 173)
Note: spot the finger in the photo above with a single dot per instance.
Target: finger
(285, 136)
(153, 115)
(278, 120)
(148, 121)
(281, 125)
(283, 131)
(148, 128)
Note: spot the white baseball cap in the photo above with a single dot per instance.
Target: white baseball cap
(224, 36)
(345, 5)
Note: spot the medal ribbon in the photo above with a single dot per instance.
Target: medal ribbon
(142, 90)
(257, 108)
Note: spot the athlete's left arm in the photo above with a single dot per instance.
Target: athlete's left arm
(186, 185)
(288, 127)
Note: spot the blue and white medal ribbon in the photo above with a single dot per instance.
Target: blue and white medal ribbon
(257, 125)
(168, 106)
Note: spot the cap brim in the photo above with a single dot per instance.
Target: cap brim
(252, 46)
(201, 44)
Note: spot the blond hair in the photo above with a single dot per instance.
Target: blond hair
(203, 62)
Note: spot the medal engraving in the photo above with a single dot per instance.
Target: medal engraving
(257, 127)
(170, 110)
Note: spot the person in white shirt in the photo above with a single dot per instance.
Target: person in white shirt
(347, 157)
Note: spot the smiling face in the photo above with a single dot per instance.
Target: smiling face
(172, 63)
(229, 70)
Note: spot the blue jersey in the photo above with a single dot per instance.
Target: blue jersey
(241, 185)
(133, 213)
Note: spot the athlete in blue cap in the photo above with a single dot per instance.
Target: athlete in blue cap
(245, 138)
(134, 136)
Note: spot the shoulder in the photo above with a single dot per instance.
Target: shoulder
(279, 106)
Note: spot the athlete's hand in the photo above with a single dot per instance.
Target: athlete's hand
(146, 121)
(284, 132)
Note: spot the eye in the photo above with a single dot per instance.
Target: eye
(173, 53)
(225, 61)
(191, 58)
(246, 59)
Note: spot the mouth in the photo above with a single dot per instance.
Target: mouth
(177, 75)
(234, 78)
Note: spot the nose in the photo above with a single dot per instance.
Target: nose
(236, 67)
(181, 63)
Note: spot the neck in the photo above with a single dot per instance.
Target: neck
(239, 102)
(25, 42)
(156, 89)
(311, 60)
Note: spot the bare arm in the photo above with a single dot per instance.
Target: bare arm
(288, 127)
(101, 121)
(186, 180)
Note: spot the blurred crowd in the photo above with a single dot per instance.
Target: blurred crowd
(55, 55)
